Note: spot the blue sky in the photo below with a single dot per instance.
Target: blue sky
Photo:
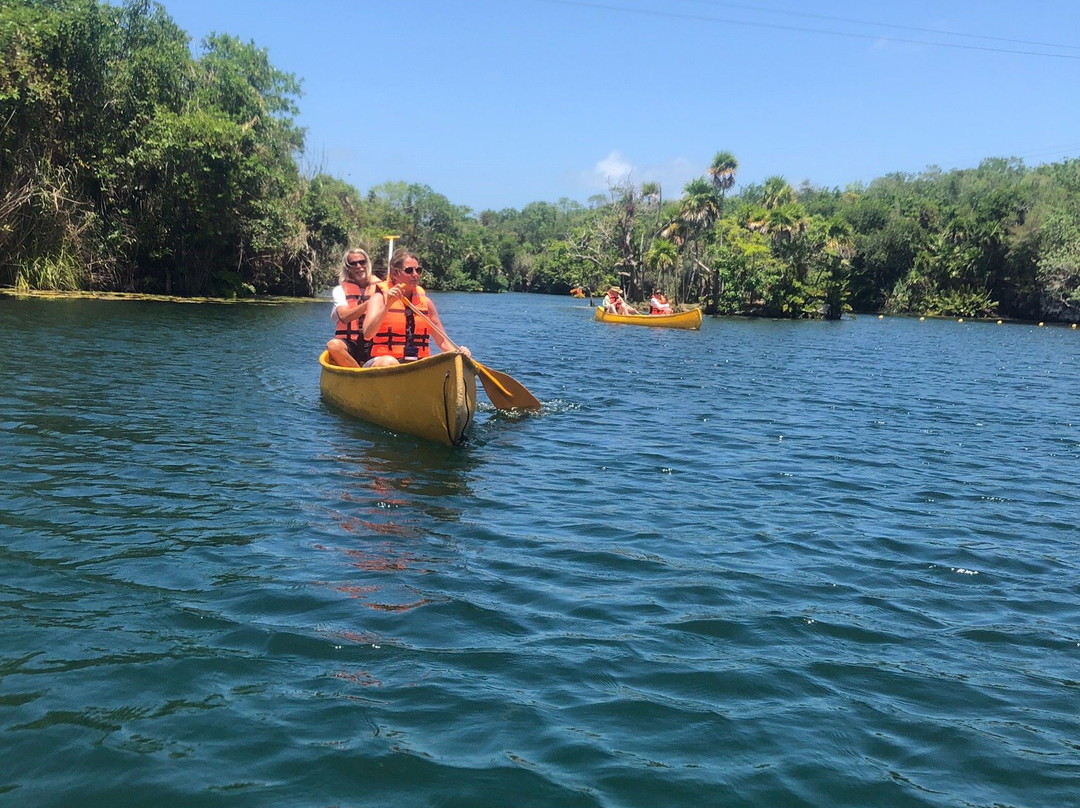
(498, 104)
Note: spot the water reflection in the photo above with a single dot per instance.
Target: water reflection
(403, 472)
(396, 491)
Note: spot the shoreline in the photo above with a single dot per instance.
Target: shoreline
(266, 300)
(274, 300)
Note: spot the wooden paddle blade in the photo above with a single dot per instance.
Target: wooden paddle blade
(505, 392)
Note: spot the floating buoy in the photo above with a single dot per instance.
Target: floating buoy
(881, 316)
(1073, 326)
(960, 320)
(922, 319)
(999, 322)
(1041, 325)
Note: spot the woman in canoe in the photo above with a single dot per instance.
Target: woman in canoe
(613, 302)
(659, 303)
(395, 332)
(356, 285)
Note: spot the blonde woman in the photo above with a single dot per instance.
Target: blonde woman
(356, 286)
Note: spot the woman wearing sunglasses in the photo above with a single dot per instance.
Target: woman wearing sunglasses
(352, 296)
(396, 333)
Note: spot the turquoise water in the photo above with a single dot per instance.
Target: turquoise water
(763, 564)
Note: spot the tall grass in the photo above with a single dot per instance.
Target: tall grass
(61, 273)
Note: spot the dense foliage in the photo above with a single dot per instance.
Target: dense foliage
(131, 162)
(126, 162)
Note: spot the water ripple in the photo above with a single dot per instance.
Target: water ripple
(766, 563)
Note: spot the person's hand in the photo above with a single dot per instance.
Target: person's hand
(464, 350)
(396, 291)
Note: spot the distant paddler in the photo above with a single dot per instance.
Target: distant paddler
(658, 304)
(396, 333)
(613, 302)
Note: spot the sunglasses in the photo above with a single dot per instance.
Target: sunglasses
(361, 263)
(411, 270)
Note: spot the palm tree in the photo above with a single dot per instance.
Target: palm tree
(722, 175)
(662, 255)
(777, 193)
(722, 171)
(652, 193)
(701, 207)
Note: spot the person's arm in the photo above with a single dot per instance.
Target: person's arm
(342, 310)
(338, 294)
(375, 313)
(346, 312)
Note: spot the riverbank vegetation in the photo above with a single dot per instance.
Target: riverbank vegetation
(130, 161)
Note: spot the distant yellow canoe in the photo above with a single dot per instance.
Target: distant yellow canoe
(432, 398)
(681, 319)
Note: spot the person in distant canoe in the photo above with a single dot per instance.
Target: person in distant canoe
(658, 304)
(396, 333)
(613, 302)
(352, 295)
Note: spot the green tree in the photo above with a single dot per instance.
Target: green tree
(722, 175)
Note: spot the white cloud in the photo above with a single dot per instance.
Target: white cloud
(616, 168)
(611, 170)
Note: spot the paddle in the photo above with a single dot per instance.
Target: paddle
(504, 391)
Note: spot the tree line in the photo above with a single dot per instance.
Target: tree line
(130, 161)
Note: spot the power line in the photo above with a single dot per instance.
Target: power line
(889, 25)
(800, 29)
(1054, 151)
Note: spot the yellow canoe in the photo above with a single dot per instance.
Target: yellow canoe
(681, 319)
(432, 398)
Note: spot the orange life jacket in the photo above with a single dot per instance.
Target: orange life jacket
(354, 295)
(653, 309)
(402, 334)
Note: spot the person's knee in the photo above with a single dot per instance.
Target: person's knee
(340, 355)
(380, 362)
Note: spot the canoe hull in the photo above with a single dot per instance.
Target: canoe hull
(690, 320)
(433, 398)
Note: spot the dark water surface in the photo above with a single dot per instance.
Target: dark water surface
(766, 564)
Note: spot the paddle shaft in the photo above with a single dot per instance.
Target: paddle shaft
(438, 330)
(505, 392)
(442, 333)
